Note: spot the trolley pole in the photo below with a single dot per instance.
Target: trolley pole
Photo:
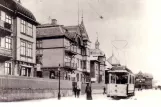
(59, 96)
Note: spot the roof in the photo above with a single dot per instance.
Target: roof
(16, 7)
(73, 29)
(78, 29)
(146, 75)
(121, 68)
(49, 31)
(97, 52)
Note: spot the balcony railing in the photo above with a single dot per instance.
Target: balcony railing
(71, 49)
(5, 25)
(5, 53)
(5, 28)
(71, 65)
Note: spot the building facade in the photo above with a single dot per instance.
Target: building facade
(6, 39)
(95, 69)
(18, 39)
(143, 80)
(64, 47)
(101, 58)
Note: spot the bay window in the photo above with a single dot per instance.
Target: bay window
(8, 42)
(8, 19)
(26, 28)
(26, 49)
(5, 17)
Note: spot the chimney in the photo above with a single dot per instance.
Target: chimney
(19, 1)
(53, 21)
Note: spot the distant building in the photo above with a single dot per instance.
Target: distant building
(64, 45)
(143, 80)
(97, 64)
(17, 39)
(95, 70)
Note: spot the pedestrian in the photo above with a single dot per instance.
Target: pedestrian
(78, 92)
(88, 92)
(104, 90)
(75, 91)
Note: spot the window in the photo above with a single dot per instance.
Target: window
(39, 44)
(130, 79)
(8, 43)
(8, 68)
(81, 64)
(8, 19)
(23, 48)
(29, 29)
(26, 49)
(96, 67)
(29, 50)
(78, 63)
(25, 71)
(23, 26)
(26, 28)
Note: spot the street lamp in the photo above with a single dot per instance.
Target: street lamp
(59, 96)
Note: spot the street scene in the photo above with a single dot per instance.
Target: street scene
(75, 50)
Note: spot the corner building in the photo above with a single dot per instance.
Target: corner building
(67, 46)
(18, 38)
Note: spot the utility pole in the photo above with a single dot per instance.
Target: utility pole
(59, 96)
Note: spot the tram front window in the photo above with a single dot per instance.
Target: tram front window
(122, 79)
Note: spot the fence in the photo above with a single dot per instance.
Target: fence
(13, 88)
(97, 88)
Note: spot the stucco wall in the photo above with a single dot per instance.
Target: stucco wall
(50, 43)
(52, 57)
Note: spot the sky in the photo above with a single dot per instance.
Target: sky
(137, 22)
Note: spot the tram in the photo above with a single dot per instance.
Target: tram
(120, 82)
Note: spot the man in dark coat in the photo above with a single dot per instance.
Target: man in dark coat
(88, 91)
(78, 92)
(75, 91)
(104, 90)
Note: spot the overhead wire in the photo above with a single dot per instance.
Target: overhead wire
(90, 5)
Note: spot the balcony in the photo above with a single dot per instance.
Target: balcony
(5, 29)
(72, 50)
(70, 65)
(5, 54)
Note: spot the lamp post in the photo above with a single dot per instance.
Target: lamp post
(59, 96)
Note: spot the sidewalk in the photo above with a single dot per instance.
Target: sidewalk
(83, 97)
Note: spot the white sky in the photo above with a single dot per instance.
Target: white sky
(136, 21)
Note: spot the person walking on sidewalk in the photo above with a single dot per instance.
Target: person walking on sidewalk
(104, 90)
(88, 92)
(78, 92)
(75, 91)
